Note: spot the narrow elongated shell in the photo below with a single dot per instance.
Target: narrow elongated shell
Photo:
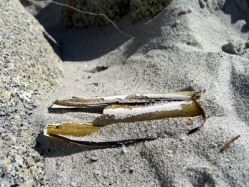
(70, 129)
(74, 132)
(127, 113)
(125, 99)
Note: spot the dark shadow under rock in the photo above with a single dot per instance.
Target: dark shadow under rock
(81, 44)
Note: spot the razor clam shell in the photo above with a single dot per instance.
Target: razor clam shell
(127, 113)
(125, 99)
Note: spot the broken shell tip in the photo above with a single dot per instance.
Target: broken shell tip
(197, 95)
(56, 102)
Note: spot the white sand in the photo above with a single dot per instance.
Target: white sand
(180, 49)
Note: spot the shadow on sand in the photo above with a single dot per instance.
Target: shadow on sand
(236, 14)
(81, 44)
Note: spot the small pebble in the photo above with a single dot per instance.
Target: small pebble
(189, 122)
(94, 158)
(170, 151)
(73, 184)
(131, 169)
(215, 168)
(124, 150)
(182, 138)
(97, 173)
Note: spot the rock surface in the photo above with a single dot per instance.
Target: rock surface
(113, 9)
(143, 9)
(34, 7)
(30, 70)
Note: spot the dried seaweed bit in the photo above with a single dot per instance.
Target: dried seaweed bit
(229, 143)
(197, 95)
(193, 130)
(189, 122)
(107, 144)
(99, 69)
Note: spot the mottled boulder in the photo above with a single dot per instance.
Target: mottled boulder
(142, 9)
(236, 47)
(30, 70)
(113, 9)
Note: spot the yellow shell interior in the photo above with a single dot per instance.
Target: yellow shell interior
(72, 129)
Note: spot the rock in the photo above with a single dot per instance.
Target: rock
(142, 9)
(131, 169)
(29, 70)
(34, 7)
(94, 158)
(237, 48)
(113, 9)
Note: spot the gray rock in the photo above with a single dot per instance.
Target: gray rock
(94, 158)
(34, 7)
(114, 10)
(233, 47)
(142, 9)
(30, 70)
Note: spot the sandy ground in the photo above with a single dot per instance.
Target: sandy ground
(179, 49)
